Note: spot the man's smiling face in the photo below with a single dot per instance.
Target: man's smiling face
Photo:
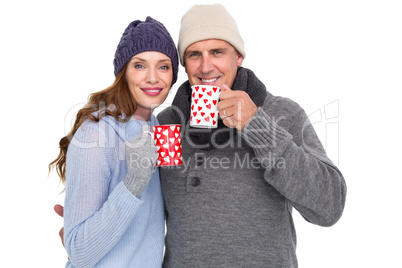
(212, 62)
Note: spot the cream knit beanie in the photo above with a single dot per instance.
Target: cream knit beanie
(202, 22)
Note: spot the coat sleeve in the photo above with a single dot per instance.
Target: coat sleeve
(296, 164)
(94, 217)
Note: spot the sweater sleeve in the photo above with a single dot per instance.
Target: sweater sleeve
(297, 166)
(94, 218)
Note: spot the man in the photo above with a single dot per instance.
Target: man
(230, 203)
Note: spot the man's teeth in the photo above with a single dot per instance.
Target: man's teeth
(209, 80)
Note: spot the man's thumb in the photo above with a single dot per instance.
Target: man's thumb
(224, 87)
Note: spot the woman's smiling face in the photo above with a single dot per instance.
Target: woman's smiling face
(149, 77)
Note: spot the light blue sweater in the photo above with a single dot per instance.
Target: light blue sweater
(105, 225)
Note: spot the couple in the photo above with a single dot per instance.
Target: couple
(232, 216)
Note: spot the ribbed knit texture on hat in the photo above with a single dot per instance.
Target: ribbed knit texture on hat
(141, 36)
(202, 22)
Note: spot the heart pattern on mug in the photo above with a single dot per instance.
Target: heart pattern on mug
(204, 101)
(168, 144)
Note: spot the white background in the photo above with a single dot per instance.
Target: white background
(343, 55)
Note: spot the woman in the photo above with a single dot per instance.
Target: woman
(114, 214)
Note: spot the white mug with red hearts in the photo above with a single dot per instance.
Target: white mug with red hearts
(168, 143)
(204, 106)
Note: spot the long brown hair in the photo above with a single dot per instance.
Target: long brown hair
(124, 106)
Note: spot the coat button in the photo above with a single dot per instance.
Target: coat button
(195, 181)
(199, 160)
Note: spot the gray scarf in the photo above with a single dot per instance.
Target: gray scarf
(211, 138)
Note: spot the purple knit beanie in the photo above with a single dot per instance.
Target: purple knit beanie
(141, 36)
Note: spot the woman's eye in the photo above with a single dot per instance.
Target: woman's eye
(138, 66)
(165, 67)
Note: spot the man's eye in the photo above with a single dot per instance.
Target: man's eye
(194, 54)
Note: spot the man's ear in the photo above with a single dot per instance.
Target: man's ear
(239, 59)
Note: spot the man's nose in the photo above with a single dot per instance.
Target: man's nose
(206, 65)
